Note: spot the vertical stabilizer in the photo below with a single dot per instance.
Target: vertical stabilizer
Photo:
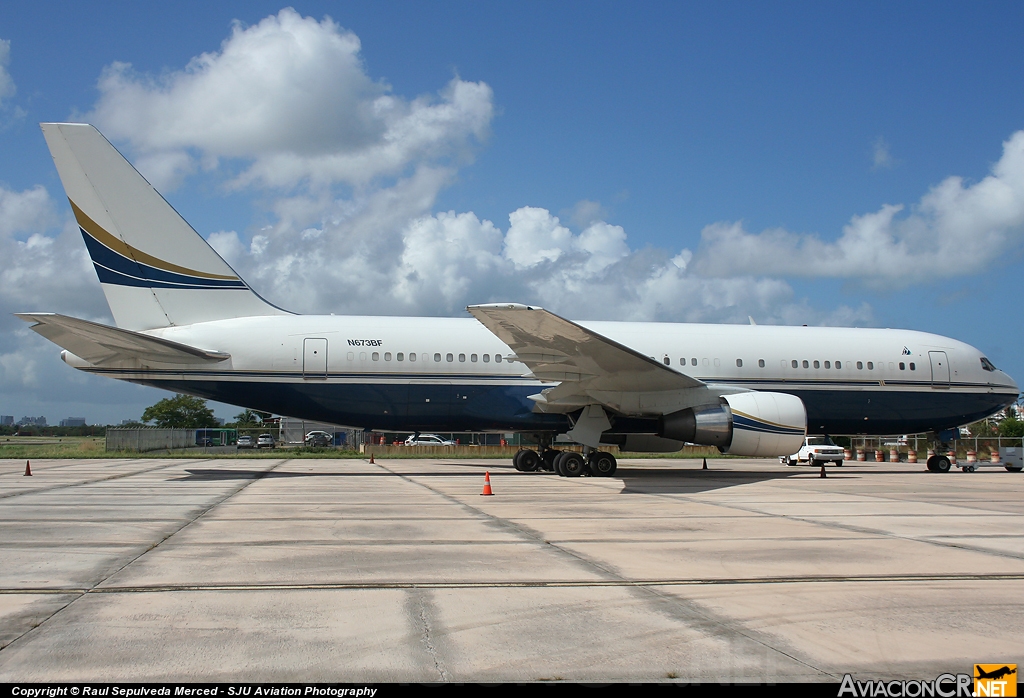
(155, 269)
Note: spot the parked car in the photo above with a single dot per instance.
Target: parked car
(319, 438)
(245, 442)
(428, 440)
(265, 441)
(816, 451)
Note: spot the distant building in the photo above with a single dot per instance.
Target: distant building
(32, 421)
(6, 420)
(73, 422)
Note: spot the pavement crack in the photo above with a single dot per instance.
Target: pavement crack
(422, 611)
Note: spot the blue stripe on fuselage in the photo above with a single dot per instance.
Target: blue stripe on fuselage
(458, 407)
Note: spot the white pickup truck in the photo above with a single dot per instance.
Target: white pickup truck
(817, 450)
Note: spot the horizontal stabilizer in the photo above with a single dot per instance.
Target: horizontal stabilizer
(101, 345)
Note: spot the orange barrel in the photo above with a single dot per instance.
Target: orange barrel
(894, 455)
(860, 455)
(879, 457)
(911, 456)
(972, 457)
(995, 454)
(847, 455)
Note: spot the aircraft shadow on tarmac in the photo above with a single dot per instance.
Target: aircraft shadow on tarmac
(684, 480)
(691, 481)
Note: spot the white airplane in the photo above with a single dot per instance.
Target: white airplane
(187, 322)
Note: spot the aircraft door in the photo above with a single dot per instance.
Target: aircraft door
(314, 359)
(940, 369)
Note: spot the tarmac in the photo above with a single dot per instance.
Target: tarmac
(400, 571)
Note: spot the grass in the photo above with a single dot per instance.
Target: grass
(53, 447)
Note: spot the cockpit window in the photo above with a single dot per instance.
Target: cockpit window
(987, 365)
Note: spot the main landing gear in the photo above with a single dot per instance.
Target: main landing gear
(566, 463)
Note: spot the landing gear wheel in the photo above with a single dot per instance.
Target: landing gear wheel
(558, 464)
(601, 464)
(942, 464)
(572, 464)
(526, 461)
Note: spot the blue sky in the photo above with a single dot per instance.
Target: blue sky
(704, 162)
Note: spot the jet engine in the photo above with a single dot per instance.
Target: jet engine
(744, 424)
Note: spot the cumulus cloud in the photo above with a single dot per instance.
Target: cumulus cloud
(290, 97)
(956, 229)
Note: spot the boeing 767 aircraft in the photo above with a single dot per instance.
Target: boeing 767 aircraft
(186, 322)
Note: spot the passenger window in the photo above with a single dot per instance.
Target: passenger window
(437, 357)
(487, 358)
(817, 365)
(912, 366)
(693, 361)
(412, 356)
(705, 362)
(472, 357)
(497, 358)
(376, 356)
(871, 366)
(351, 356)
(717, 363)
(860, 365)
(828, 365)
(903, 366)
(839, 364)
(739, 363)
(794, 363)
(891, 366)
(450, 358)
(760, 362)
(387, 356)
(362, 356)
(462, 358)
(806, 365)
(400, 356)
(666, 361)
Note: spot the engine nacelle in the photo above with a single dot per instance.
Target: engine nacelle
(744, 424)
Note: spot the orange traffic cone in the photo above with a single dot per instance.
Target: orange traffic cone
(705, 467)
(28, 468)
(823, 471)
(487, 486)
(371, 459)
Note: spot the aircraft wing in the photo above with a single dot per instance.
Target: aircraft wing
(558, 350)
(102, 345)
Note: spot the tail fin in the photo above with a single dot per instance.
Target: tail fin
(155, 269)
